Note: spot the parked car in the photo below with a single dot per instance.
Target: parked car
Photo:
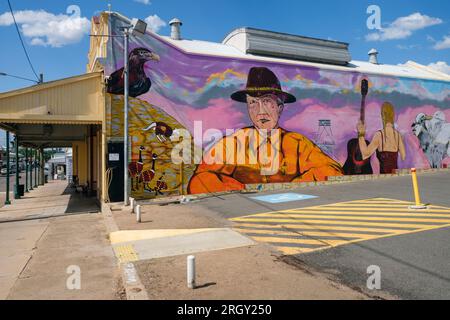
(12, 169)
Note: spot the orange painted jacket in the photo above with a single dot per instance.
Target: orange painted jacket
(299, 160)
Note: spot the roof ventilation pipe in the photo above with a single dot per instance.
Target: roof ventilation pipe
(373, 56)
(175, 32)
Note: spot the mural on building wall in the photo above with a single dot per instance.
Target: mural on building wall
(434, 136)
(374, 123)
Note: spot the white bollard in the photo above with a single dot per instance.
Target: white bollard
(138, 213)
(191, 272)
(132, 204)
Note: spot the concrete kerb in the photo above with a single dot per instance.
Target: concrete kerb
(134, 289)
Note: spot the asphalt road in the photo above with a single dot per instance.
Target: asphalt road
(413, 266)
(434, 188)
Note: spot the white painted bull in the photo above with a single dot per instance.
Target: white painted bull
(434, 137)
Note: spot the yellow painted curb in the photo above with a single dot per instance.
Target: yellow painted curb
(136, 235)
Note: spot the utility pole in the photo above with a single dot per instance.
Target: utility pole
(125, 119)
(136, 26)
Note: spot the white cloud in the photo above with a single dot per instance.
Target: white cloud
(155, 23)
(443, 44)
(408, 47)
(146, 2)
(403, 27)
(440, 66)
(47, 29)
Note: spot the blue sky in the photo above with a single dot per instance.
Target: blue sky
(61, 54)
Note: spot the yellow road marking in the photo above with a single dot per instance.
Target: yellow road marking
(350, 223)
(368, 213)
(378, 201)
(383, 236)
(310, 227)
(378, 206)
(383, 200)
(360, 217)
(343, 208)
(362, 205)
(294, 250)
(296, 216)
(307, 233)
(321, 242)
(126, 253)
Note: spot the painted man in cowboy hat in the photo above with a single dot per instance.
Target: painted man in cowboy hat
(293, 157)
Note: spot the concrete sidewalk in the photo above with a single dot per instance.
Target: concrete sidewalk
(52, 199)
(43, 236)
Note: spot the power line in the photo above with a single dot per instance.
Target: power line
(21, 41)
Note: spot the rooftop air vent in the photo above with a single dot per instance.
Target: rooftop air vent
(175, 25)
(282, 45)
(373, 56)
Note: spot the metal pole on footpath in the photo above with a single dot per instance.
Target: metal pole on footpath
(42, 166)
(30, 163)
(418, 204)
(7, 169)
(26, 170)
(35, 168)
(38, 167)
(191, 272)
(132, 204)
(16, 183)
(138, 213)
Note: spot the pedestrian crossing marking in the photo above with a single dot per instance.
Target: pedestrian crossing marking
(369, 206)
(320, 242)
(378, 207)
(322, 215)
(126, 253)
(308, 229)
(307, 233)
(339, 222)
(322, 227)
(383, 212)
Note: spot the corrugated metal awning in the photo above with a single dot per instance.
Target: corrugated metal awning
(75, 100)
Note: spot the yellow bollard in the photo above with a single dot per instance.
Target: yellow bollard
(418, 204)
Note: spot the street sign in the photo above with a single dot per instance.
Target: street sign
(284, 197)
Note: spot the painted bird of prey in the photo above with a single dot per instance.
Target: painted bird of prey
(139, 83)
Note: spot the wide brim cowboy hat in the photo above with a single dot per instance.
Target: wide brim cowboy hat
(262, 81)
